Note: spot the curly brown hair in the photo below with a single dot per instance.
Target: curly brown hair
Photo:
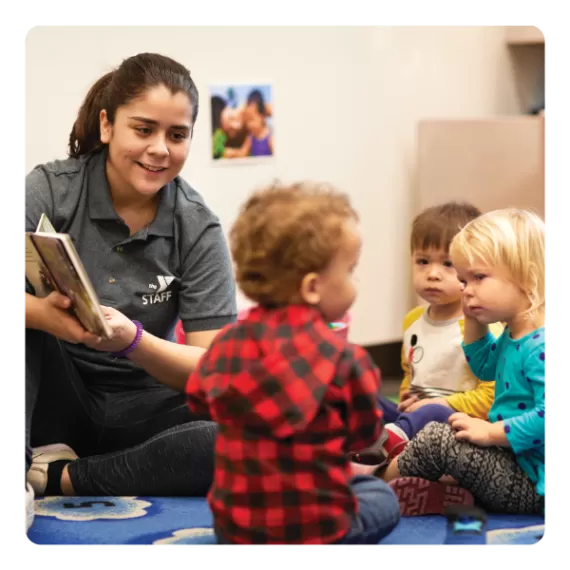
(284, 232)
(437, 226)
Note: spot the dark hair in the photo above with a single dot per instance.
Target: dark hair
(437, 226)
(218, 105)
(119, 87)
(257, 98)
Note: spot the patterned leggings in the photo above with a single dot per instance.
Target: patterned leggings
(492, 474)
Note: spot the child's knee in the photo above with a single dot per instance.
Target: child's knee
(434, 431)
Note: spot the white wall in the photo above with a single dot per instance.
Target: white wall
(346, 102)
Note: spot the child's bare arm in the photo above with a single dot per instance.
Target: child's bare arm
(241, 152)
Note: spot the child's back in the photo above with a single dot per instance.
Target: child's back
(281, 385)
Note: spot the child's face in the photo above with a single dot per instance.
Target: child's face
(489, 294)
(337, 283)
(254, 120)
(231, 121)
(434, 277)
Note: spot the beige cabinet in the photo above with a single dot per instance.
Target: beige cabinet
(492, 163)
(523, 35)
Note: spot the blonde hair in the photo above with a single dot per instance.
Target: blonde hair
(511, 238)
(284, 232)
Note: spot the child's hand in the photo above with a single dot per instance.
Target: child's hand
(123, 331)
(405, 395)
(468, 314)
(407, 401)
(471, 429)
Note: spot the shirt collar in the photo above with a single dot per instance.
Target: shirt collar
(293, 315)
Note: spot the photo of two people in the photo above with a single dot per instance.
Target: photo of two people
(242, 121)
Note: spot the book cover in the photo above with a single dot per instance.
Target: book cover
(52, 263)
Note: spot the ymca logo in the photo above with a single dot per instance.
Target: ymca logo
(160, 294)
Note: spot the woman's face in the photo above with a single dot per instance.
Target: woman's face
(149, 140)
(231, 121)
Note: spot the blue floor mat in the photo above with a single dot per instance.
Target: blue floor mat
(154, 520)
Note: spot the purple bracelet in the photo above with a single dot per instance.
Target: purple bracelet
(133, 344)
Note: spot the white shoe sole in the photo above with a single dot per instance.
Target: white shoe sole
(41, 458)
(30, 506)
(60, 450)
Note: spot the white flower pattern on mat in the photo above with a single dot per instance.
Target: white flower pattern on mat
(526, 535)
(91, 508)
(190, 536)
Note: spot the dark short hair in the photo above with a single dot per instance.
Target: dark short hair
(435, 227)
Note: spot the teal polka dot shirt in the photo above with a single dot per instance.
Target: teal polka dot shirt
(517, 366)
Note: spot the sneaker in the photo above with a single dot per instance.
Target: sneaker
(422, 497)
(42, 456)
(391, 442)
(30, 506)
(397, 440)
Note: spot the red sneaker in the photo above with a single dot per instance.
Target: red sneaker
(397, 441)
(422, 497)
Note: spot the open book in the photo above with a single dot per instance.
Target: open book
(52, 264)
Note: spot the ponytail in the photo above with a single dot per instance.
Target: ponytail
(85, 136)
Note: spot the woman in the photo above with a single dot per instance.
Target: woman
(154, 253)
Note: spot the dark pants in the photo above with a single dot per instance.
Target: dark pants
(142, 441)
(378, 512)
(413, 422)
(492, 473)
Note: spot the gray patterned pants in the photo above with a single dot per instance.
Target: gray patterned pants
(492, 474)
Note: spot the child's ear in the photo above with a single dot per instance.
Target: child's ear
(309, 289)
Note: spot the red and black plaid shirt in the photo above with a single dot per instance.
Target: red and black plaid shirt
(291, 397)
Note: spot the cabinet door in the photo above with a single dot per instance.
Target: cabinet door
(492, 163)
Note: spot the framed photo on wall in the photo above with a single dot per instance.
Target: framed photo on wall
(242, 122)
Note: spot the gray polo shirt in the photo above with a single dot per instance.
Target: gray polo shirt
(178, 266)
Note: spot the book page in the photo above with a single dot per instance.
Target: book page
(44, 225)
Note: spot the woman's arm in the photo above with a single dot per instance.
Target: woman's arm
(168, 362)
(206, 300)
(171, 363)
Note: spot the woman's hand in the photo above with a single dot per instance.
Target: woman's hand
(51, 314)
(123, 332)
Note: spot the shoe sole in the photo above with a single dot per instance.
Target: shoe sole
(30, 506)
(60, 450)
(419, 497)
(41, 457)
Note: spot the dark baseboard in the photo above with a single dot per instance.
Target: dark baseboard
(387, 356)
